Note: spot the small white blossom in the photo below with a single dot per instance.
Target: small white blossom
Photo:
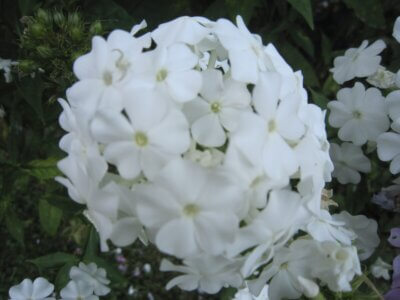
(348, 160)
(94, 276)
(360, 114)
(6, 65)
(381, 269)
(81, 290)
(358, 62)
(382, 78)
(39, 289)
(396, 29)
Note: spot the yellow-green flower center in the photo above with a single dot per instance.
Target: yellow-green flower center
(215, 107)
(190, 210)
(271, 126)
(357, 114)
(107, 78)
(141, 139)
(161, 75)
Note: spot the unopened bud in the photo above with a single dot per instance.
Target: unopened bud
(37, 30)
(43, 16)
(73, 19)
(44, 51)
(59, 18)
(96, 28)
(76, 33)
(26, 66)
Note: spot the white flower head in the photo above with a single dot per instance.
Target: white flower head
(39, 289)
(360, 114)
(381, 269)
(95, 277)
(78, 290)
(358, 62)
(349, 160)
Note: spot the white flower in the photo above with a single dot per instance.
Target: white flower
(207, 158)
(185, 209)
(205, 273)
(360, 114)
(246, 51)
(2, 112)
(358, 62)
(348, 160)
(337, 265)
(366, 231)
(381, 269)
(393, 107)
(92, 275)
(154, 134)
(245, 294)
(218, 108)
(6, 65)
(264, 138)
(396, 29)
(382, 78)
(170, 70)
(104, 71)
(39, 289)
(81, 290)
(388, 148)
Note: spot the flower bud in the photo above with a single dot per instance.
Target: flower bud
(44, 51)
(76, 33)
(73, 19)
(37, 30)
(96, 28)
(43, 16)
(26, 66)
(59, 18)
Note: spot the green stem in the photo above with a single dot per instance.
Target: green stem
(212, 60)
(372, 286)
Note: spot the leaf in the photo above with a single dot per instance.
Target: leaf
(31, 90)
(65, 204)
(368, 11)
(62, 277)
(53, 260)
(49, 217)
(15, 227)
(326, 47)
(243, 8)
(304, 8)
(26, 7)
(93, 244)
(299, 62)
(303, 41)
(319, 99)
(43, 169)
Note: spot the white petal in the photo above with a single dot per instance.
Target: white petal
(42, 288)
(125, 231)
(207, 131)
(125, 156)
(180, 58)
(244, 65)
(184, 86)
(388, 145)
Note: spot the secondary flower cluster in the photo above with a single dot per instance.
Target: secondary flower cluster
(365, 114)
(88, 282)
(198, 138)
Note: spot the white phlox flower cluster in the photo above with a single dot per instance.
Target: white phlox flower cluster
(88, 282)
(199, 139)
(364, 114)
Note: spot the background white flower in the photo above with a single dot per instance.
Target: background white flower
(39, 289)
(348, 159)
(388, 147)
(94, 276)
(358, 62)
(396, 29)
(360, 114)
(81, 290)
(381, 269)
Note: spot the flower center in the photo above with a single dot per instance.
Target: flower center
(190, 210)
(215, 107)
(161, 75)
(271, 126)
(107, 78)
(357, 114)
(141, 139)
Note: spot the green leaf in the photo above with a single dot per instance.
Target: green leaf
(49, 217)
(326, 48)
(31, 90)
(319, 99)
(299, 62)
(303, 41)
(305, 9)
(43, 169)
(53, 260)
(65, 204)
(15, 227)
(26, 7)
(368, 11)
(243, 8)
(62, 277)
(93, 243)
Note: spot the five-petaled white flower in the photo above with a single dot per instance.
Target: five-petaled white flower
(94, 276)
(360, 114)
(358, 62)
